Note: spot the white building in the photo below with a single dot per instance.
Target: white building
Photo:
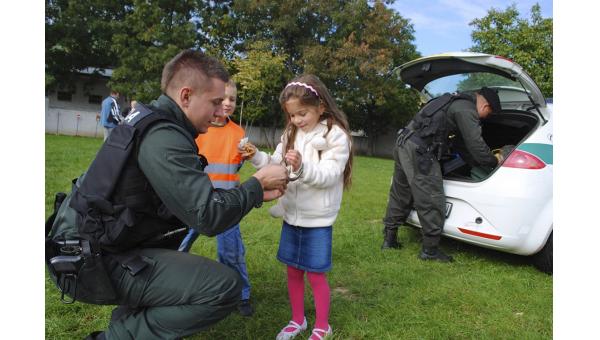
(77, 112)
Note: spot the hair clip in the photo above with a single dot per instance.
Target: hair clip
(303, 85)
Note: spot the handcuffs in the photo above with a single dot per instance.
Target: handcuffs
(292, 175)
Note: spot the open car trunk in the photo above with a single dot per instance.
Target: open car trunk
(506, 128)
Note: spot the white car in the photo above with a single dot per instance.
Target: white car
(509, 209)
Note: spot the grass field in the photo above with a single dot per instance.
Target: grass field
(376, 294)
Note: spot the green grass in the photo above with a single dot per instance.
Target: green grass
(376, 294)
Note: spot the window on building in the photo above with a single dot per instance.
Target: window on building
(64, 96)
(94, 99)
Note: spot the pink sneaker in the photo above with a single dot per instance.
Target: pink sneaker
(291, 330)
(320, 334)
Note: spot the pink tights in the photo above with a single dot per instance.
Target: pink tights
(320, 288)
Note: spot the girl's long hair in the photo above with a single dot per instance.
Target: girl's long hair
(332, 114)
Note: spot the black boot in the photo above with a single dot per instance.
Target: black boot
(97, 335)
(434, 253)
(390, 239)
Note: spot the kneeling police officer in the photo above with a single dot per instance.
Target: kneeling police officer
(114, 238)
(417, 176)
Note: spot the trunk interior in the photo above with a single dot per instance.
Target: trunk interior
(506, 128)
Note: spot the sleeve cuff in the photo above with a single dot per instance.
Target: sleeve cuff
(255, 191)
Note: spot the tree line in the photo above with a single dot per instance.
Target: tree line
(351, 45)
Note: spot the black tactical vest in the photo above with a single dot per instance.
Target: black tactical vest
(430, 122)
(117, 209)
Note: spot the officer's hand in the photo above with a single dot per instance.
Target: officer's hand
(499, 156)
(293, 158)
(272, 176)
(270, 195)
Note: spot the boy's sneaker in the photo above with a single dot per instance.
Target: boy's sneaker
(291, 330)
(245, 308)
(320, 334)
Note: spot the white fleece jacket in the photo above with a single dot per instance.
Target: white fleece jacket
(314, 199)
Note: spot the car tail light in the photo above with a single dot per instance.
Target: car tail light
(523, 160)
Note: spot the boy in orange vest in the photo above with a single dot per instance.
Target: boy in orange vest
(220, 147)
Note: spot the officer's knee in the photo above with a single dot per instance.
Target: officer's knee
(232, 285)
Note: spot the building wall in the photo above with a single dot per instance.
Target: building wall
(78, 117)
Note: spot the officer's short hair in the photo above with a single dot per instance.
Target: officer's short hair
(192, 68)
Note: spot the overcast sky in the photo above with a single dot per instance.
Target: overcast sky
(443, 25)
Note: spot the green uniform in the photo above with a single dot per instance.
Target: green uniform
(411, 186)
(177, 294)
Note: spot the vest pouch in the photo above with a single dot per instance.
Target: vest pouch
(91, 224)
(425, 126)
(109, 230)
(80, 275)
(429, 130)
(118, 229)
(93, 283)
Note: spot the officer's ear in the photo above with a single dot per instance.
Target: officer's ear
(185, 95)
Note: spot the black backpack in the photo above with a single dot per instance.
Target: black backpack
(114, 116)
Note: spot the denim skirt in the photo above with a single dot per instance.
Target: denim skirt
(307, 249)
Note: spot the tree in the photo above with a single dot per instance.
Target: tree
(79, 35)
(527, 42)
(260, 74)
(155, 32)
(218, 29)
(351, 45)
(356, 65)
(475, 81)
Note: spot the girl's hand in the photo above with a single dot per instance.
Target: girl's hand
(247, 151)
(293, 158)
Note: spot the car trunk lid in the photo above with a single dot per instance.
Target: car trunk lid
(418, 73)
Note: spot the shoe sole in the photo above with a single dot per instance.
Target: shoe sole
(431, 258)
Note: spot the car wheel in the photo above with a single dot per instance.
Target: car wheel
(543, 259)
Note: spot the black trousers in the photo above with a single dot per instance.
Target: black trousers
(177, 295)
(412, 186)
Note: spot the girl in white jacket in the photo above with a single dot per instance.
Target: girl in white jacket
(316, 148)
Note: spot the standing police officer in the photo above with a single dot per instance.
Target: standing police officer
(417, 174)
(118, 228)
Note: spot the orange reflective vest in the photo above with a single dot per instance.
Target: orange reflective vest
(219, 146)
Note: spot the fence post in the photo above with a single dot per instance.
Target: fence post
(57, 121)
(97, 123)
(77, 126)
